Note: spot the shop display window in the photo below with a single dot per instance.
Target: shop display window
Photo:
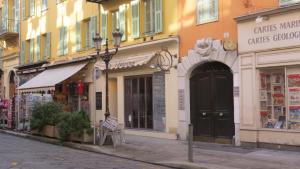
(279, 97)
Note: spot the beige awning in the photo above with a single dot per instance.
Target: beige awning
(128, 62)
(50, 77)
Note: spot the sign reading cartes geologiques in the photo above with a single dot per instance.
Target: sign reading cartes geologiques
(274, 32)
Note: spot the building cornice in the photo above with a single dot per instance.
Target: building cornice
(276, 11)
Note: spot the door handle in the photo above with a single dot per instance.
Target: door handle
(221, 114)
(204, 113)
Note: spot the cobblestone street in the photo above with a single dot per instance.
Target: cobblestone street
(19, 153)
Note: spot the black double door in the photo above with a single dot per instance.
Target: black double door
(211, 98)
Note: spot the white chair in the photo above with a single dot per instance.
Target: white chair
(112, 128)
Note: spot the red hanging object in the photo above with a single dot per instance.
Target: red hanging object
(80, 87)
(65, 88)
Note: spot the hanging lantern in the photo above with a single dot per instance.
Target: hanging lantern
(80, 87)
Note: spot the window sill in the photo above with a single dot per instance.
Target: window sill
(280, 130)
(44, 10)
(208, 22)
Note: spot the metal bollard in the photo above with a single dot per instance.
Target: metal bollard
(190, 144)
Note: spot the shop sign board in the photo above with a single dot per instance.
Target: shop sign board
(273, 32)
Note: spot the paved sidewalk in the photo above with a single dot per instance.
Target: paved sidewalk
(206, 155)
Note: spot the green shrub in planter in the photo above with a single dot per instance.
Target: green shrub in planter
(76, 123)
(45, 114)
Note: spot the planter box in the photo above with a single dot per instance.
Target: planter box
(56, 133)
(85, 138)
(49, 131)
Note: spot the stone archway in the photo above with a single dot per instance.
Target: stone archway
(205, 50)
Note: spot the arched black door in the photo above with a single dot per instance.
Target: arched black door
(211, 98)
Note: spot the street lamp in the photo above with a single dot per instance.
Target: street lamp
(106, 57)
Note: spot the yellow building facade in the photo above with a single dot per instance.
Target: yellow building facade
(9, 45)
(56, 35)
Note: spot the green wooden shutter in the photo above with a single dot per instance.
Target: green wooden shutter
(104, 26)
(22, 59)
(122, 20)
(149, 17)
(47, 50)
(158, 16)
(61, 41)
(17, 15)
(65, 43)
(135, 12)
(24, 9)
(92, 31)
(38, 48)
(31, 51)
(32, 7)
(78, 36)
(4, 15)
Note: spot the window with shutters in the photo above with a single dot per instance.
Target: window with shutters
(38, 48)
(44, 5)
(23, 51)
(29, 51)
(45, 44)
(153, 16)
(63, 41)
(25, 9)
(135, 16)
(78, 36)
(119, 20)
(115, 20)
(207, 11)
(4, 24)
(31, 7)
(104, 26)
(88, 31)
(16, 15)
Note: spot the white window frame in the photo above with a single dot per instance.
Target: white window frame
(206, 19)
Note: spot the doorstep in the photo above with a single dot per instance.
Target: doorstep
(149, 133)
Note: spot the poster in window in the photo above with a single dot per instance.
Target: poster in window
(277, 89)
(277, 78)
(263, 82)
(278, 99)
(263, 105)
(263, 95)
(294, 96)
(295, 113)
(277, 111)
(294, 80)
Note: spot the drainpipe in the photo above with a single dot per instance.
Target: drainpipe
(18, 91)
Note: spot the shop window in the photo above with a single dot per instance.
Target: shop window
(207, 11)
(138, 102)
(280, 98)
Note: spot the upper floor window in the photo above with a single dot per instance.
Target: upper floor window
(85, 31)
(119, 20)
(287, 2)
(63, 41)
(59, 1)
(44, 5)
(207, 11)
(104, 26)
(135, 18)
(28, 8)
(153, 16)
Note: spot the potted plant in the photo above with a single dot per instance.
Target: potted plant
(45, 117)
(75, 127)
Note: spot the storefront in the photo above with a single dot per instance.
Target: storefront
(141, 95)
(269, 50)
(67, 83)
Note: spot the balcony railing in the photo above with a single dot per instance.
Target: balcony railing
(9, 28)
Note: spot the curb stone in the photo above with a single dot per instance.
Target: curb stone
(179, 165)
